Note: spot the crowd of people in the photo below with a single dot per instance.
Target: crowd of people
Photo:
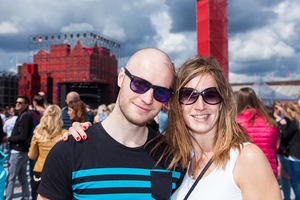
(211, 139)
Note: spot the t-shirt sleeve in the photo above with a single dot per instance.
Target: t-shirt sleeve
(56, 178)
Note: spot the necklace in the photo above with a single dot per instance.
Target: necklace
(192, 167)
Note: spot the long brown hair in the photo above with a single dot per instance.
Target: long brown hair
(80, 110)
(247, 99)
(229, 133)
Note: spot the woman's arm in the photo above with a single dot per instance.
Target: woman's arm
(254, 176)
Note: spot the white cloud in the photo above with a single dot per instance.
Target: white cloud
(8, 28)
(77, 27)
(115, 31)
(182, 44)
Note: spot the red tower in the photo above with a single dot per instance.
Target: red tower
(29, 81)
(212, 31)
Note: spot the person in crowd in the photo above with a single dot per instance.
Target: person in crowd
(37, 113)
(19, 148)
(77, 111)
(262, 128)
(3, 173)
(282, 151)
(2, 134)
(45, 134)
(119, 142)
(162, 119)
(2, 116)
(290, 144)
(71, 96)
(101, 113)
(110, 108)
(202, 134)
(89, 114)
(7, 129)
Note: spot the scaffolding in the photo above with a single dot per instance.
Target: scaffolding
(78, 58)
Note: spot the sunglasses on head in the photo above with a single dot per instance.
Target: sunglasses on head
(140, 86)
(189, 96)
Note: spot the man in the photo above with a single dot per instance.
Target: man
(114, 162)
(19, 148)
(72, 96)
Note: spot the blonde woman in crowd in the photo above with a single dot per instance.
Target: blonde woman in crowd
(110, 108)
(44, 138)
(101, 113)
(291, 139)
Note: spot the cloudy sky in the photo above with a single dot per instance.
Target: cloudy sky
(264, 35)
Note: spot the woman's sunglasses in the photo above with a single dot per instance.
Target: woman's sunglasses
(189, 96)
(140, 86)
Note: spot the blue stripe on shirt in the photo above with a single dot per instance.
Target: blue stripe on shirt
(119, 171)
(120, 196)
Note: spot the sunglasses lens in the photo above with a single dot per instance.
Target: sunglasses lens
(187, 96)
(162, 94)
(139, 85)
(211, 96)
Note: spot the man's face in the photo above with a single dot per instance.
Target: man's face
(137, 108)
(21, 105)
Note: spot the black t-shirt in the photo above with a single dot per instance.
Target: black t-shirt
(102, 168)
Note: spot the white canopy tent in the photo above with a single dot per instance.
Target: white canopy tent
(267, 94)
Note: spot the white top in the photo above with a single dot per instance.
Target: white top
(219, 184)
(9, 125)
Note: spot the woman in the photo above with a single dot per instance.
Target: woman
(262, 128)
(44, 137)
(204, 99)
(284, 123)
(101, 113)
(77, 111)
(290, 141)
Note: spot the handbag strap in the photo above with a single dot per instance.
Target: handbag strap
(198, 179)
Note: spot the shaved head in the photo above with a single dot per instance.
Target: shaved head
(72, 96)
(150, 55)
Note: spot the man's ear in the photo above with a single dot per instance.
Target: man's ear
(121, 76)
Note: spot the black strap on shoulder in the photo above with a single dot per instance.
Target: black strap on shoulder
(198, 179)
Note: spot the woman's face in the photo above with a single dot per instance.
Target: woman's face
(200, 117)
(71, 113)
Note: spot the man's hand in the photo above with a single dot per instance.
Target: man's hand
(77, 131)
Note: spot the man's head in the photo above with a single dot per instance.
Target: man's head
(154, 67)
(72, 96)
(38, 100)
(22, 103)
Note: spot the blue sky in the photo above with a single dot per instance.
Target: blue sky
(264, 35)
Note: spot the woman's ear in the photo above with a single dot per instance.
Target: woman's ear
(121, 76)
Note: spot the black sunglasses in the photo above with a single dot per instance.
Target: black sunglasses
(140, 86)
(189, 96)
(19, 102)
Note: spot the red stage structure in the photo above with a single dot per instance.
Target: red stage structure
(212, 31)
(90, 71)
